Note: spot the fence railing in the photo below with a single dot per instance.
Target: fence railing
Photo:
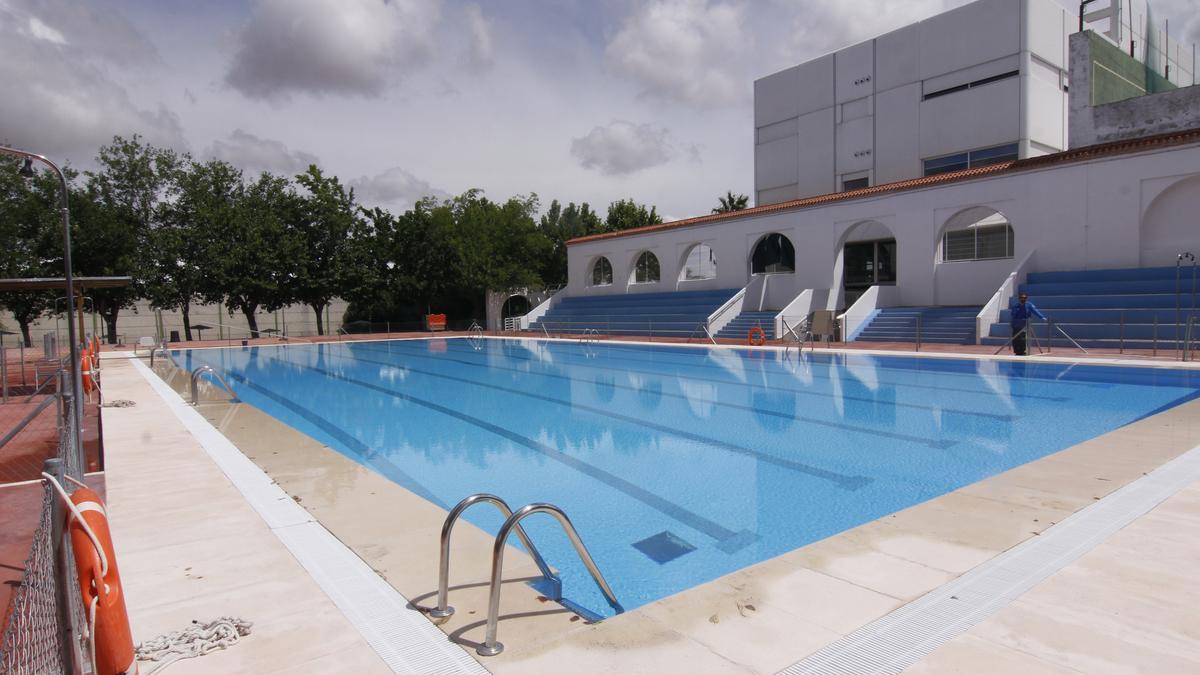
(683, 331)
(45, 625)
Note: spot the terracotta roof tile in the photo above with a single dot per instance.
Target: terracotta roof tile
(1067, 157)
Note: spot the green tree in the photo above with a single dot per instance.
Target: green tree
(175, 268)
(560, 225)
(732, 202)
(323, 232)
(28, 234)
(250, 254)
(627, 214)
(116, 214)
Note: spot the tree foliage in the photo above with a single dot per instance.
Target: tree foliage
(192, 231)
(731, 202)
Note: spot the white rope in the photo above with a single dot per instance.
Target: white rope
(197, 640)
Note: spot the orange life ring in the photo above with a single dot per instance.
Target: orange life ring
(756, 336)
(85, 369)
(100, 586)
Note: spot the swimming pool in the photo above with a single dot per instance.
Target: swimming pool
(681, 464)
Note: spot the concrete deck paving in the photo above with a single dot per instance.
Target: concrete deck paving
(191, 548)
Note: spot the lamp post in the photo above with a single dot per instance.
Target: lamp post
(72, 338)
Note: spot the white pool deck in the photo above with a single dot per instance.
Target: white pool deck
(192, 547)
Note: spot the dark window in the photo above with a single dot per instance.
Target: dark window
(945, 164)
(972, 159)
(602, 274)
(774, 253)
(646, 269)
(856, 183)
(971, 85)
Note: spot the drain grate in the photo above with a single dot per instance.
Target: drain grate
(900, 639)
(663, 547)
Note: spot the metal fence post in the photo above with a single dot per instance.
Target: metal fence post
(4, 370)
(1155, 335)
(54, 467)
(918, 332)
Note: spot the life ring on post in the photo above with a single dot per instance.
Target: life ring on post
(756, 336)
(100, 585)
(85, 369)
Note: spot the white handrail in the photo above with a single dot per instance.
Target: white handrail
(800, 308)
(717, 320)
(999, 301)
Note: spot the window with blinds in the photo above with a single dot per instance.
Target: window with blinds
(984, 242)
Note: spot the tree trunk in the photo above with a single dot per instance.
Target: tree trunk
(110, 319)
(318, 308)
(25, 333)
(251, 321)
(187, 321)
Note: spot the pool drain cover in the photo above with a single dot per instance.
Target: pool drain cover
(663, 547)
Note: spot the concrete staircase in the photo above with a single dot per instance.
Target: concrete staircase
(1091, 306)
(677, 314)
(940, 325)
(739, 327)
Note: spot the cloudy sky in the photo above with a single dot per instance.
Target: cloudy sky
(579, 100)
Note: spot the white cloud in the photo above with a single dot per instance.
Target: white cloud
(481, 52)
(624, 147)
(254, 155)
(688, 50)
(60, 104)
(394, 189)
(343, 47)
(825, 25)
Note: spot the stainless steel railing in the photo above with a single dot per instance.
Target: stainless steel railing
(491, 646)
(210, 371)
(443, 608)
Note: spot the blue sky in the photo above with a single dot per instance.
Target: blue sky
(574, 100)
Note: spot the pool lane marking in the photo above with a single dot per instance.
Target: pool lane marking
(353, 444)
(880, 363)
(845, 481)
(773, 387)
(1057, 399)
(936, 444)
(693, 520)
(752, 387)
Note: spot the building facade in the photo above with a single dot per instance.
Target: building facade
(984, 83)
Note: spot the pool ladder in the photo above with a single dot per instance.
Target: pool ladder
(491, 646)
(209, 370)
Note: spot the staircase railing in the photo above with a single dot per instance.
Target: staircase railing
(491, 646)
(1180, 348)
(999, 301)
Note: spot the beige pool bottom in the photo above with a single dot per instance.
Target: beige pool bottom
(759, 619)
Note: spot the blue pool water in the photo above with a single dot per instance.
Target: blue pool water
(680, 464)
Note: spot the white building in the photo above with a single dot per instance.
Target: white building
(983, 83)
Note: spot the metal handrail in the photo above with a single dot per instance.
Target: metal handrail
(49, 378)
(161, 348)
(918, 332)
(52, 398)
(490, 646)
(443, 608)
(791, 331)
(1186, 255)
(208, 369)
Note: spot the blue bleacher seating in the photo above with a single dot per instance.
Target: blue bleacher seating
(1090, 305)
(942, 325)
(677, 314)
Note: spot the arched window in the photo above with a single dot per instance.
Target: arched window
(773, 254)
(700, 263)
(602, 274)
(645, 271)
(978, 233)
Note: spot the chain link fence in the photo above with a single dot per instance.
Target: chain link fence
(45, 628)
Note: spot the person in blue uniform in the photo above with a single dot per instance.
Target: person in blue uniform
(1018, 318)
